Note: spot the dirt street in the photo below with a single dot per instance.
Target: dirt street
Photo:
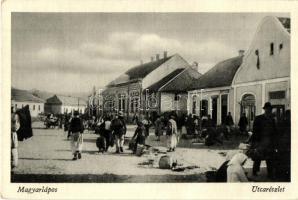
(46, 157)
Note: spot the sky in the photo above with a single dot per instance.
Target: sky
(72, 52)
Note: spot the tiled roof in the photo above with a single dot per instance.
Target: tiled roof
(182, 81)
(66, 100)
(220, 75)
(156, 86)
(138, 72)
(143, 70)
(286, 22)
(24, 96)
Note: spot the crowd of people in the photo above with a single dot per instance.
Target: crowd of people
(270, 140)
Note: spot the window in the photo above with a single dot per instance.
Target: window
(39, 107)
(16, 106)
(277, 95)
(121, 102)
(271, 48)
(33, 107)
(134, 104)
(194, 104)
(258, 59)
(177, 97)
(281, 46)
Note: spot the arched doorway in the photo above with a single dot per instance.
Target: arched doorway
(248, 106)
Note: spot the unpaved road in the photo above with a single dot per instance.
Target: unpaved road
(46, 157)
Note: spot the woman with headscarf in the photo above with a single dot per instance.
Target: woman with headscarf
(235, 171)
(140, 136)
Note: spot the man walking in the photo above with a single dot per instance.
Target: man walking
(264, 139)
(76, 129)
(119, 129)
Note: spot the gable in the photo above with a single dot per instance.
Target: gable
(174, 63)
(277, 65)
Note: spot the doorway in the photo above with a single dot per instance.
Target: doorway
(214, 110)
(248, 106)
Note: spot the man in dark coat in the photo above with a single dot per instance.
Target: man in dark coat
(243, 122)
(283, 155)
(264, 140)
(229, 122)
(76, 129)
(118, 127)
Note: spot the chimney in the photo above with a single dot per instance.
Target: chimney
(152, 58)
(195, 65)
(157, 56)
(165, 54)
(241, 52)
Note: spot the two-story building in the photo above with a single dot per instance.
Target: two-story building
(131, 92)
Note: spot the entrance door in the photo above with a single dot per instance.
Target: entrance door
(278, 111)
(224, 107)
(204, 108)
(214, 110)
(248, 106)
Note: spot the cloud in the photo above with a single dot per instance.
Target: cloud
(135, 46)
(113, 56)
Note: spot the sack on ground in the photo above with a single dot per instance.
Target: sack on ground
(140, 150)
(131, 144)
(165, 162)
(101, 143)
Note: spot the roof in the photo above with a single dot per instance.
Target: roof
(143, 70)
(156, 86)
(24, 96)
(220, 75)
(139, 72)
(41, 94)
(286, 22)
(182, 81)
(66, 100)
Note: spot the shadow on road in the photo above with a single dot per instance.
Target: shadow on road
(58, 159)
(105, 178)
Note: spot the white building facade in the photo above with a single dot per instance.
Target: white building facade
(264, 75)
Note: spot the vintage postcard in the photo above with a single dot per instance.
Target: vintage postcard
(148, 100)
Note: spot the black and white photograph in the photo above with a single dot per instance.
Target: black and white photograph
(150, 97)
(148, 100)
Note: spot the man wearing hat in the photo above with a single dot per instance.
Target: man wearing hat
(76, 130)
(119, 129)
(264, 140)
